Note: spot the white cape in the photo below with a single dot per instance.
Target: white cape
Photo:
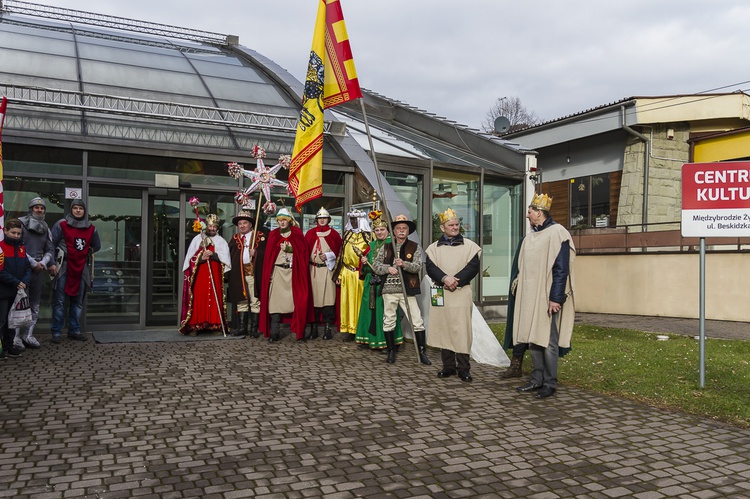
(221, 248)
(485, 348)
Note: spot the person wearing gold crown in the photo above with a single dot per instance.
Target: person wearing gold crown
(346, 272)
(452, 262)
(285, 285)
(207, 258)
(408, 259)
(544, 307)
(370, 323)
(246, 250)
(324, 244)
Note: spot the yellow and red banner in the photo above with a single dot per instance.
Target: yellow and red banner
(3, 107)
(331, 80)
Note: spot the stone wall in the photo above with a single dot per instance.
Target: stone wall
(666, 157)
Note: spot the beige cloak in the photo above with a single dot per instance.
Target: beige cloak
(450, 325)
(535, 260)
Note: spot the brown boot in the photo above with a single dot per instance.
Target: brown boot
(514, 370)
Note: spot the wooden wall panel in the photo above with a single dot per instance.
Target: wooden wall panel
(560, 193)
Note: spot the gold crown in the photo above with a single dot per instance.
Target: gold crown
(212, 219)
(543, 202)
(447, 215)
(379, 222)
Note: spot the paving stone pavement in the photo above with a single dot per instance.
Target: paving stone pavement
(233, 419)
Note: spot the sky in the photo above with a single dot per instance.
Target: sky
(455, 59)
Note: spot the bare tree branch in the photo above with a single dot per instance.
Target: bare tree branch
(513, 109)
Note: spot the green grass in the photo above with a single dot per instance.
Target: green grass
(636, 366)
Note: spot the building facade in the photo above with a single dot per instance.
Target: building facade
(615, 175)
(137, 118)
(619, 164)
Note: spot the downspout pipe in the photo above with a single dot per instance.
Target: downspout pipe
(646, 155)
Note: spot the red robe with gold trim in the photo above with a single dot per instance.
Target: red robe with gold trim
(203, 292)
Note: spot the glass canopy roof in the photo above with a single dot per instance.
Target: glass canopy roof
(56, 55)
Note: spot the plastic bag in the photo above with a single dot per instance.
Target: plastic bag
(20, 312)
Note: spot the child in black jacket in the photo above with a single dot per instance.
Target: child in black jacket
(15, 274)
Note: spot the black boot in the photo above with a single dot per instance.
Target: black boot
(253, 326)
(327, 335)
(390, 344)
(275, 324)
(241, 324)
(313, 330)
(419, 336)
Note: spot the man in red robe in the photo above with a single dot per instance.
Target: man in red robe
(285, 285)
(324, 244)
(207, 259)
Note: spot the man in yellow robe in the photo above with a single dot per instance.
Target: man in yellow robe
(357, 235)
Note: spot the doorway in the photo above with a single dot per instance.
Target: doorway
(162, 266)
(114, 300)
(138, 271)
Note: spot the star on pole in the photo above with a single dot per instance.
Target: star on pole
(262, 178)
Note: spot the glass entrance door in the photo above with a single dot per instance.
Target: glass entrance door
(115, 295)
(163, 275)
(144, 234)
(169, 235)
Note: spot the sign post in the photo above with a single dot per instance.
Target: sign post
(715, 203)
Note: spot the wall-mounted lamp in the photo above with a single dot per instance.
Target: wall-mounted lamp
(535, 175)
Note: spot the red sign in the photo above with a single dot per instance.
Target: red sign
(716, 199)
(715, 185)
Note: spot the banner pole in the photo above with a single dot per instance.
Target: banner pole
(388, 221)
